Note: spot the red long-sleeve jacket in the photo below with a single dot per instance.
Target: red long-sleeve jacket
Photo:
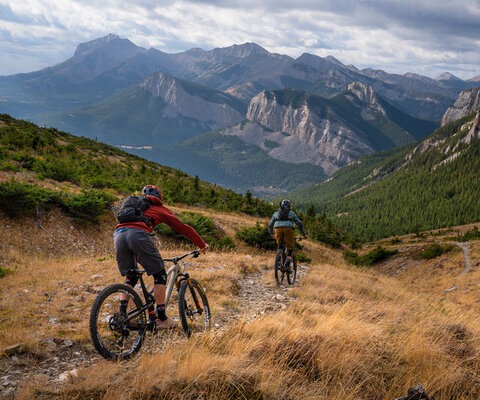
(158, 213)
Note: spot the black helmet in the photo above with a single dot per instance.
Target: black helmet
(152, 190)
(286, 203)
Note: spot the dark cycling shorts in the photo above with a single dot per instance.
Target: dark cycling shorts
(136, 245)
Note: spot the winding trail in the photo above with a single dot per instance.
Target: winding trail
(466, 256)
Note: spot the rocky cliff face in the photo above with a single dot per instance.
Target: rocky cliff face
(302, 134)
(368, 98)
(207, 108)
(451, 150)
(467, 102)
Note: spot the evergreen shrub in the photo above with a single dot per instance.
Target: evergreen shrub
(434, 250)
(257, 236)
(376, 255)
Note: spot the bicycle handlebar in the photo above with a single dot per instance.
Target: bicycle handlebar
(296, 238)
(194, 254)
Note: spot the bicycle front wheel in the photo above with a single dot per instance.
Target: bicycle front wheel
(193, 307)
(117, 334)
(292, 273)
(279, 261)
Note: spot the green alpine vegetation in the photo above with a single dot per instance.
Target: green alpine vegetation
(231, 162)
(433, 184)
(43, 166)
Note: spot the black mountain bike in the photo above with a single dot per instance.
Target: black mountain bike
(283, 268)
(118, 335)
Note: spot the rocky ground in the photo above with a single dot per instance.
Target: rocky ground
(63, 358)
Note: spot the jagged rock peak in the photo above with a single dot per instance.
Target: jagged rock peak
(364, 92)
(467, 102)
(158, 84)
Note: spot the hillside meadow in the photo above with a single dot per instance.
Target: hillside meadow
(342, 332)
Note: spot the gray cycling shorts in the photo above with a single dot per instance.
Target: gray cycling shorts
(136, 245)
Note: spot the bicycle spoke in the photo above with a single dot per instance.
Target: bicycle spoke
(117, 334)
(193, 308)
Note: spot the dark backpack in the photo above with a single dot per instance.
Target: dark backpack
(132, 208)
(283, 214)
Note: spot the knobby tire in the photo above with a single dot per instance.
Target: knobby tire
(113, 335)
(195, 316)
(292, 276)
(279, 261)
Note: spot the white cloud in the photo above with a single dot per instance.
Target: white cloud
(422, 36)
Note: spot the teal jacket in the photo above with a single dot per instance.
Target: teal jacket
(290, 223)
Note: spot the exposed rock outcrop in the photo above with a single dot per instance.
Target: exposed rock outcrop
(306, 129)
(209, 108)
(467, 102)
(368, 97)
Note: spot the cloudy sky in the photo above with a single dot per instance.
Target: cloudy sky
(427, 37)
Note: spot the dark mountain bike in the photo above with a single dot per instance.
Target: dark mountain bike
(118, 335)
(283, 268)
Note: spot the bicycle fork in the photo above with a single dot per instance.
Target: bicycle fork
(194, 294)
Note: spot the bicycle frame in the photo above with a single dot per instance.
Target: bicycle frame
(172, 278)
(173, 273)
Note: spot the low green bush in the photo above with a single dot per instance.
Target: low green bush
(301, 257)
(434, 250)
(204, 226)
(372, 257)
(88, 205)
(472, 234)
(257, 236)
(4, 271)
(21, 199)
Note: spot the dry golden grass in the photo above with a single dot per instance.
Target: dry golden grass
(350, 333)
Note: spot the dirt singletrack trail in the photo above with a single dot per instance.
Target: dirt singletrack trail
(258, 295)
(466, 256)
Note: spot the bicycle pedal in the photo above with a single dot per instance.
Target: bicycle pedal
(151, 326)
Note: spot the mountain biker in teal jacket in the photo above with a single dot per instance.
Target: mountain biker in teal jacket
(133, 243)
(282, 224)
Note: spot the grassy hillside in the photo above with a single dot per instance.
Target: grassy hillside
(41, 166)
(341, 333)
(431, 185)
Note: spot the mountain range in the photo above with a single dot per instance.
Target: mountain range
(236, 116)
(430, 184)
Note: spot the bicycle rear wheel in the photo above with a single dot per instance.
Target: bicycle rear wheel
(292, 274)
(116, 335)
(193, 307)
(279, 261)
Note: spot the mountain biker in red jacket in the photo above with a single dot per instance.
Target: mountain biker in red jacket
(133, 243)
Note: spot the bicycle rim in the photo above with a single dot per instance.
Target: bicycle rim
(114, 335)
(292, 276)
(193, 308)
(279, 260)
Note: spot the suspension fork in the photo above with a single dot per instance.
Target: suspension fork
(186, 277)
